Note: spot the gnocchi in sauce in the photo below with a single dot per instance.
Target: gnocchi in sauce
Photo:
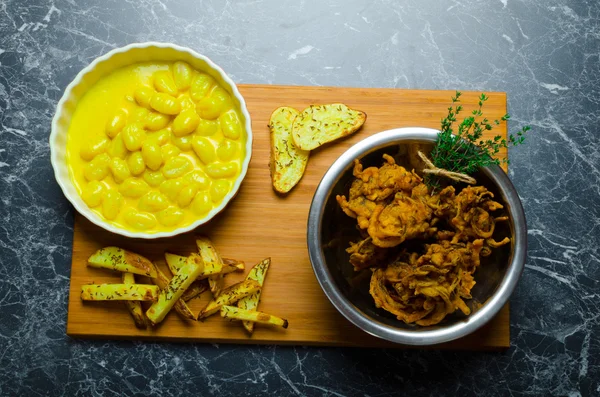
(155, 146)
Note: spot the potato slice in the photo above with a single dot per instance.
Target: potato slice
(250, 303)
(209, 254)
(229, 295)
(195, 289)
(235, 264)
(171, 294)
(119, 292)
(121, 260)
(134, 307)
(235, 313)
(319, 124)
(215, 284)
(180, 306)
(175, 262)
(287, 162)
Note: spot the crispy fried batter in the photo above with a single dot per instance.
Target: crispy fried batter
(373, 186)
(394, 206)
(365, 254)
(442, 277)
(403, 219)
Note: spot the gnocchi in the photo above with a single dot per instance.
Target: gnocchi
(185, 122)
(230, 125)
(216, 103)
(161, 137)
(153, 178)
(163, 152)
(221, 170)
(139, 220)
(197, 178)
(207, 127)
(169, 150)
(93, 194)
(201, 86)
(183, 143)
(170, 216)
(136, 163)
(133, 136)
(134, 188)
(119, 169)
(153, 202)
(201, 203)
(139, 114)
(143, 95)
(163, 82)
(182, 75)
(186, 195)
(152, 155)
(94, 148)
(111, 205)
(165, 104)
(204, 149)
(156, 121)
(186, 102)
(171, 188)
(117, 147)
(97, 169)
(176, 166)
(116, 123)
(226, 150)
(219, 190)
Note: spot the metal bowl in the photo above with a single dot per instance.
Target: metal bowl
(330, 231)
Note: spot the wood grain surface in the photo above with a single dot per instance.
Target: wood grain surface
(259, 223)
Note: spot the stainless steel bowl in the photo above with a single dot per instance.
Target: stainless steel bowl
(330, 231)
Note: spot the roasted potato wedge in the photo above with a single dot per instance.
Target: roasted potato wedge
(287, 162)
(175, 262)
(134, 307)
(119, 292)
(229, 295)
(250, 303)
(121, 260)
(215, 283)
(209, 254)
(171, 294)
(235, 313)
(195, 289)
(180, 306)
(235, 264)
(320, 124)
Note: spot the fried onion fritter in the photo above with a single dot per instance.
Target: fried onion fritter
(373, 186)
(364, 254)
(454, 230)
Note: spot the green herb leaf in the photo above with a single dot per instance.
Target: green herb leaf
(465, 152)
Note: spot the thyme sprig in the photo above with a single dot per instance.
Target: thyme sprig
(466, 151)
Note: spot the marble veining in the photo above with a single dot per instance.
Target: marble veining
(543, 53)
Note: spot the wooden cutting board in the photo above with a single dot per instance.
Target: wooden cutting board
(258, 224)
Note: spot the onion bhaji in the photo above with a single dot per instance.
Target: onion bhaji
(392, 205)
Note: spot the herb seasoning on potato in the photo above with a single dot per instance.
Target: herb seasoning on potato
(320, 124)
(287, 161)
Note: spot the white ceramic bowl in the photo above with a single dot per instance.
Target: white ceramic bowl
(104, 65)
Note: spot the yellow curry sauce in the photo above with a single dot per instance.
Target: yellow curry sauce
(155, 146)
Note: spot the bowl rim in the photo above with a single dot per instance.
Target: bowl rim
(422, 336)
(87, 212)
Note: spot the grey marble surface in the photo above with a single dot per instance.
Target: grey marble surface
(543, 53)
